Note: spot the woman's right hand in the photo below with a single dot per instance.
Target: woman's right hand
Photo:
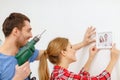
(93, 51)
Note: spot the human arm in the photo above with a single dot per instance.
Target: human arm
(92, 53)
(87, 38)
(86, 41)
(106, 74)
(22, 72)
(39, 54)
(114, 57)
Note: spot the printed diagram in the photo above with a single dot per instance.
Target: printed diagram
(104, 40)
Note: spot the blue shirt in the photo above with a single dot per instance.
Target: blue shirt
(8, 63)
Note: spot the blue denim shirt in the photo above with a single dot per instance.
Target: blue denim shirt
(8, 63)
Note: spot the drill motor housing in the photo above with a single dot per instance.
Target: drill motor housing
(27, 51)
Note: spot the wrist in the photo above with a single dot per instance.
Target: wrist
(113, 61)
(83, 43)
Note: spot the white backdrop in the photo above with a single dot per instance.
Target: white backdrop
(69, 18)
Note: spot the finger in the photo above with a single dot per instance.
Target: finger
(16, 67)
(88, 30)
(93, 49)
(26, 63)
(91, 29)
(91, 33)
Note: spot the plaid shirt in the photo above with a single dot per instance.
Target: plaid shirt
(60, 73)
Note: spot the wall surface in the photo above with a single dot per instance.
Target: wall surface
(69, 18)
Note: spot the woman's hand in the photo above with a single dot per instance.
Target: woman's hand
(88, 36)
(93, 51)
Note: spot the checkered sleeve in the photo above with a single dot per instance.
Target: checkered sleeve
(103, 76)
(64, 74)
(83, 73)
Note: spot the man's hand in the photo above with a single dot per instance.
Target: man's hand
(22, 72)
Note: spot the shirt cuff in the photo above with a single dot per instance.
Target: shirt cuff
(84, 73)
(105, 74)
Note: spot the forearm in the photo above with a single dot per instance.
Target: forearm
(41, 52)
(88, 64)
(92, 53)
(114, 57)
(110, 66)
(78, 45)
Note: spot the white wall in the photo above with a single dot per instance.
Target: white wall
(69, 18)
